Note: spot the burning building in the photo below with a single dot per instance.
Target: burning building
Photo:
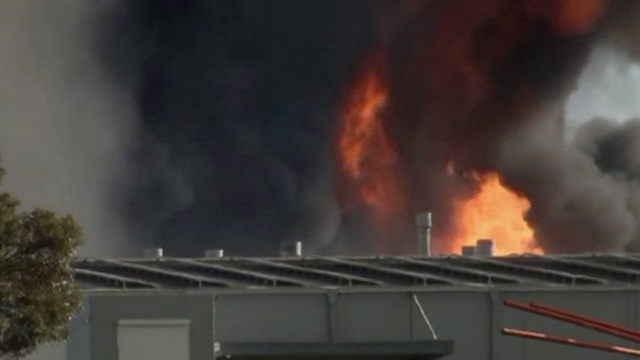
(459, 111)
(374, 111)
(163, 307)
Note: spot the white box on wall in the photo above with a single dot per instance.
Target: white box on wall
(153, 339)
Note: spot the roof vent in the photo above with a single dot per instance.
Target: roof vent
(289, 249)
(152, 253)
(423, 229)
(484, 247)
(214, 253)
(468, 251)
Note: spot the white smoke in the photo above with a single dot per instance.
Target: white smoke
(64, 128)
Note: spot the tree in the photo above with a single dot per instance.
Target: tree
(38, 296)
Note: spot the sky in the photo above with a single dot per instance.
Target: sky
(609, 86)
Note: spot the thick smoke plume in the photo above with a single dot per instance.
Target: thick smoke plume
(190, 124)
(64, 126)
(241, 93)
(70, 134)
(482, 86)
(584, 192)
(201, 124)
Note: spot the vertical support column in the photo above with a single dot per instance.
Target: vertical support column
(79, 342)
(495, 319)
(215, 344)
(332, 299)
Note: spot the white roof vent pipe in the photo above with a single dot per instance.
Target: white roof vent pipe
(291, 249)
(423, 230)
(214, 254)
(153, 253)
(485, 247)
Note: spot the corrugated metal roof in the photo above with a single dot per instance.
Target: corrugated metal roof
(381, 271)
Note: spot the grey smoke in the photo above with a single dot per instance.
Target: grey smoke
(585, 192)
(615, 149)
(64, 127)
(69, 133)
(578, 203)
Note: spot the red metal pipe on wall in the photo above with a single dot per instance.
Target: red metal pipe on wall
(570, 341)
(589, 320)
(576, 319)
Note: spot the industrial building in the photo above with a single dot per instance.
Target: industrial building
(393, 307)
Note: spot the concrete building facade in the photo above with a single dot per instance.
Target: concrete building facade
(189, 323)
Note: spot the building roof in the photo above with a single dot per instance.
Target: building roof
(358, 272)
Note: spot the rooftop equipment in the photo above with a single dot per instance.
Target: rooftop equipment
(485, 247)
(468, 251)
(153, 253)
(214, 254)
(291, 249)
(423, 229)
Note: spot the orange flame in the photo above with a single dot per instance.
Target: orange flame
(364, 152)
(496, 213)
(465, 87)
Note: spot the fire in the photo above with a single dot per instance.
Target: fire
(496, 213)
(457, 87)
(364, 152)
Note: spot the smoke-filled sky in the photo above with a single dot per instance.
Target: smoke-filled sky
(241, 96)
(64, 126)
(199, 124)
(193, 124)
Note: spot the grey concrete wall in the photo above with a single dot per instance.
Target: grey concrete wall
(106, 310)
(473, 318)
(358, 317)
(465, 317)
(79, 344)
(272, 318)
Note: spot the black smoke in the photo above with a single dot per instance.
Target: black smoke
(583, 192)
(237, 99)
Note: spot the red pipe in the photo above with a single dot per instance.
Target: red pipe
(587, 319)
(579, 320)
(570, 341)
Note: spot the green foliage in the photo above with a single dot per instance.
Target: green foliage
(38, 297)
